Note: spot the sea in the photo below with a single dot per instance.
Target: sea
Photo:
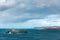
(33, 34)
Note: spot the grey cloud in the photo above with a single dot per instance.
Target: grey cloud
(23, 10)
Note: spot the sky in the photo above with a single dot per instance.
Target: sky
(29, 13)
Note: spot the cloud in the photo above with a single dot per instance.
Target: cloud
(50, 20)
(27, 4)
(17, 16)
(7, 4)
(29, 13)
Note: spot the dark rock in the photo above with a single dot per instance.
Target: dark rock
(16, 31)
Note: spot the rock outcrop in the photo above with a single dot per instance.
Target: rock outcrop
(16, 31)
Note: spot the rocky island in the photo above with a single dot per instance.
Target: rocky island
(16, 31)
(49, 28)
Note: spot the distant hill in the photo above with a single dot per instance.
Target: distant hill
(48, 28)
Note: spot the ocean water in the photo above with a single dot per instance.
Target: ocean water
(32, 34)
